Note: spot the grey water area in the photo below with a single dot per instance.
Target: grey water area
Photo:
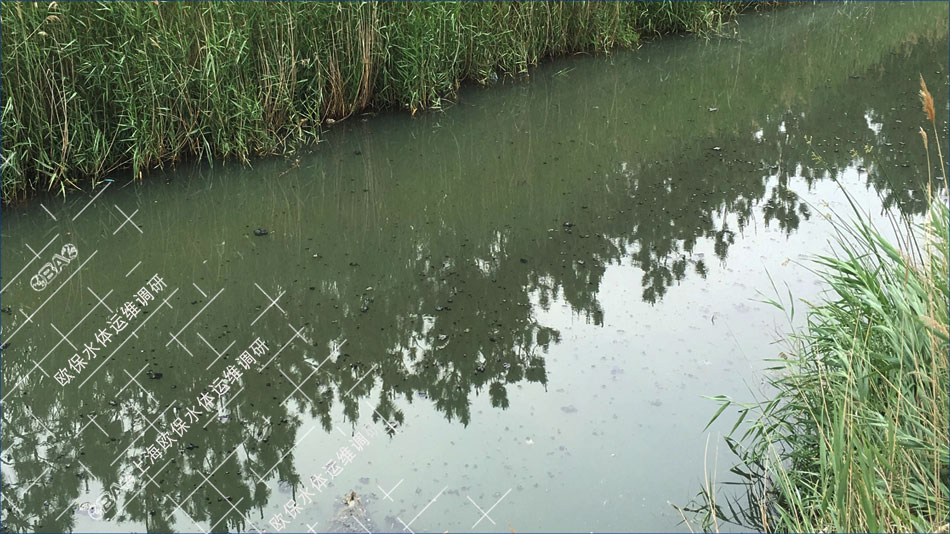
(503, 316)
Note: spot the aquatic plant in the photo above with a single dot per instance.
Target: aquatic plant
(855, 436)
(88, 87)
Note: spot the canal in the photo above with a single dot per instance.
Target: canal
(503, 316)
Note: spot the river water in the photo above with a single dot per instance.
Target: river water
(504, 316)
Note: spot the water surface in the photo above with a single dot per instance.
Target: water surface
(499, 317)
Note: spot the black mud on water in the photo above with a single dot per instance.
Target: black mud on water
(499, 317)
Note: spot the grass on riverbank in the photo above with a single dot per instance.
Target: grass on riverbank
(90, 87)
(855, 438)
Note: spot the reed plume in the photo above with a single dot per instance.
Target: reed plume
(927, 102)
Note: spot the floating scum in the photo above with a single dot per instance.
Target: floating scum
(91, 87)
(219, 445)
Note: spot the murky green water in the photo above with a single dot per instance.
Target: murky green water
(500, 317)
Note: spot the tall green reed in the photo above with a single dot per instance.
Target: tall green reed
(90, 87)
(855, 437)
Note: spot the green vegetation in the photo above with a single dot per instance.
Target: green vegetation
(855, 438)
(92, 87)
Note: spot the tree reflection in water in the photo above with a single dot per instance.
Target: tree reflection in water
(435, 275)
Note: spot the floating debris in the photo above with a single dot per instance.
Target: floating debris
(352, 517)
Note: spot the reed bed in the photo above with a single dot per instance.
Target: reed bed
(855, 438)
(91, 87)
